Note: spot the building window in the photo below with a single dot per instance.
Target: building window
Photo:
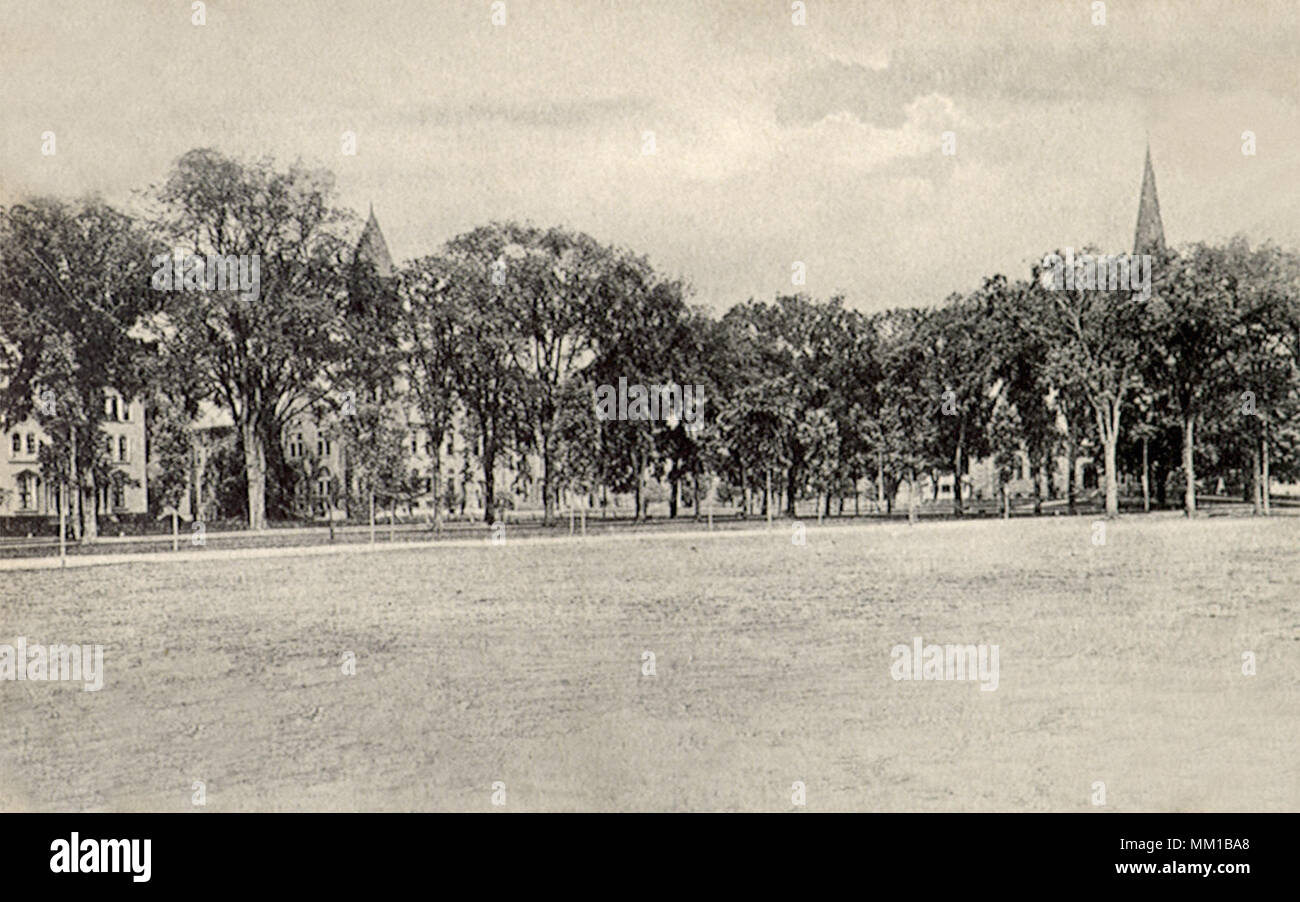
(31, 443)
(415, 443)
(123, 445)
(108, 446)
(119, 497)
(296, 447)
(25, 492)
(322, 447)
(17, 444)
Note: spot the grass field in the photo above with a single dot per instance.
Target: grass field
(522, 663)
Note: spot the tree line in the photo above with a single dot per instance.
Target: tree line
(505, 334)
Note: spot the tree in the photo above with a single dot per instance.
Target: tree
(786, 347)
(849, 367)
(962, 364)
(1004, 439)
(1097, 346)
(907, 402)
(74, 287)
(1261, 360)
(1040, 394)
(819, 435)
(548, 281)
(429, 336)
(488, 383)
(374, 432)
(263, 351)
(642, 335)
(1194, 331)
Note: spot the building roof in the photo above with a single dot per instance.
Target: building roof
(1149, 237)
(373, 249)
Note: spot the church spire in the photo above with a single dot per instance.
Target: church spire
(1149, 237)
(373, 249)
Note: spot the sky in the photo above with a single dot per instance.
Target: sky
(774, 143)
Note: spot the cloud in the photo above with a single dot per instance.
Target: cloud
(557, 113)
(878, 96)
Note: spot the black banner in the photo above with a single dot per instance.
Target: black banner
(658, 853)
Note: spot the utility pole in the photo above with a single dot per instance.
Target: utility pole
(767, 495)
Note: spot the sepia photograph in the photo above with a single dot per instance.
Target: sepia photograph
(883, 408)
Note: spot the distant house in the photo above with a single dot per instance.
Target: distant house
(27, 492)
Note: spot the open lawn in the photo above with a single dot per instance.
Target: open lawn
(523, 663)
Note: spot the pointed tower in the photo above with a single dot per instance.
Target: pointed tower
(373, 249)
(1149, 238)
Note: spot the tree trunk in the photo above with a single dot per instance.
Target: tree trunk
(767, 495)
(1071, 463)
(1189, 467)
(640, 478)
(437, 487)
(880, 480)
(74, 490)
(1146, 477)
(465, 483)
(90, 513)
(489, 483)
(911, 497)
(695, 493)
(63, 524)
(956, 471)
(548, 504)
(1112, 478)
(1264, 449)
(196, 478)
(1256, 480)
(1108, 429)
(255, 472)
(744, 492)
